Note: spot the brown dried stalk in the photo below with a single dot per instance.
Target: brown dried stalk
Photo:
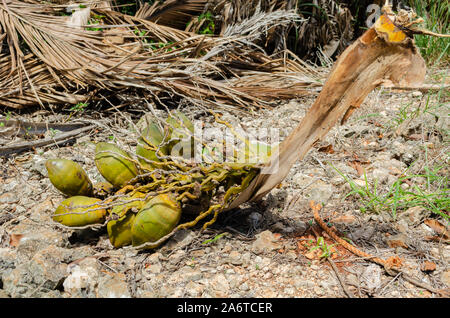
(362, 67)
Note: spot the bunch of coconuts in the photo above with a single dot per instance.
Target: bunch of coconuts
(146, 192)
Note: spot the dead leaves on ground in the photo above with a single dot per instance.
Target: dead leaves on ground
(440, 229)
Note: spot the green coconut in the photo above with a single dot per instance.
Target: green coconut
(73, 211)
(113, 165)
(119, 230)
(152, 134)
(69, 177)
(157, 218)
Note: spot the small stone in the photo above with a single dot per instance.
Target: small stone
(31, 243)
(268, 275)
(194, 289)
(265, 242)
(155, 268)
(177, 256)
(8, 258)
(289, 291)
(193, 276)
(427, 229)
(235, 258)
(44, 271)
(302, 180)
(428, 266)
(395, 241)
(416, 94)
(395, 293)
(219, 285)
(414, 215)
(445, 277)
(113, 285)
(82, 279)
(319, 191)
(380, 174)
(145, 294)
(244, 287)
(182, 238)
(402, 226)
(227, 249)
(9, 198)
(371, 276)
(38, 165)
(318, 290)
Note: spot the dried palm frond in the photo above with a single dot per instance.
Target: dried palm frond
(328, 28)
(173, 13)
(46, 58)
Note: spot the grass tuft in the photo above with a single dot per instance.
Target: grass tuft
(436, 14)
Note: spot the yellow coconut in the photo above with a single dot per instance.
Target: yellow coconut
(79, 211)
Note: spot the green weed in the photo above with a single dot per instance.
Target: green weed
(322, 245)
(436, 14)
(208, 23)
(214, 239)
(434, 194)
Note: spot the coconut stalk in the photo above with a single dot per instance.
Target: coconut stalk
(383, 54)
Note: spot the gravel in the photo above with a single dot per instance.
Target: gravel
(262, 253)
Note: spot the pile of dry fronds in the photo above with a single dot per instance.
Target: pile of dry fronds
(57, 54)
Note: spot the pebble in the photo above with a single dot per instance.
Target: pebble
(398, 240)
(371, 277)
(265, 242)
(82, 278)
(445, 277)
(320, 192)
(113, 285)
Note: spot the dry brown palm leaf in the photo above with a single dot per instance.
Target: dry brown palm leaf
(68, 63)
(173, 13)
(328, 27)
(384, 52)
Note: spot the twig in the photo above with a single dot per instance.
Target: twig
(344, 286)
(423, 89)
(21, 146)
(389, 269)
(390, 282)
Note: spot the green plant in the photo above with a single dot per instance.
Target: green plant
(326, 249)
(80, 107)
(208, 26)
(433, 195)
(95, 20)
(53, 132)
(437, 19)
(214, 239)
(141, 34)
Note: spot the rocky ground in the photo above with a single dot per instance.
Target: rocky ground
(267, 249)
